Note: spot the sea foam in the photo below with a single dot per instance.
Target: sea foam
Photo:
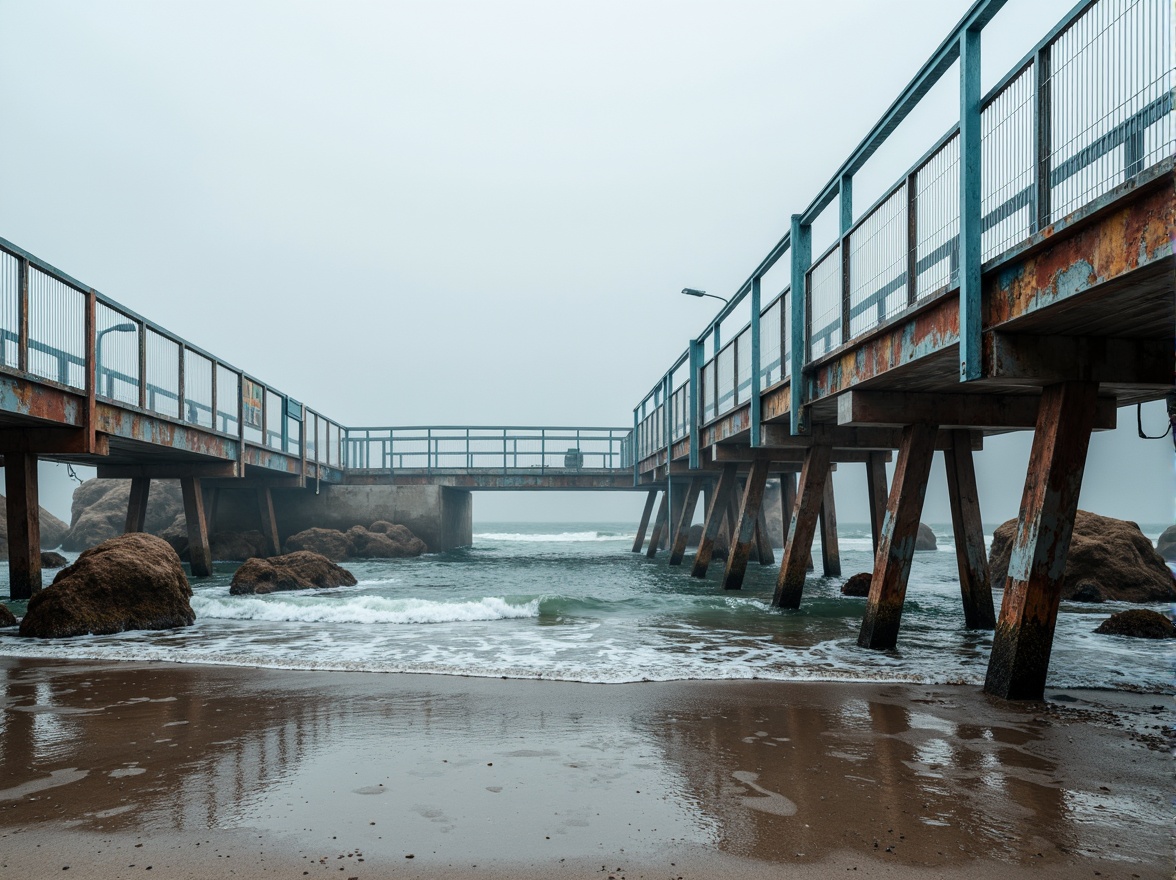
(358, 609)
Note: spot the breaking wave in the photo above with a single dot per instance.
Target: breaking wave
(359, 609)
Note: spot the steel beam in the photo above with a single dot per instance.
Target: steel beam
(743, 531)
(714, 518)
(24, 524)
(968, 530)
(892, 565)
(1024, 634)
(994, 411)
(801, 528)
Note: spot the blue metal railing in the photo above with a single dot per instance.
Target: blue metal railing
(1089, 107)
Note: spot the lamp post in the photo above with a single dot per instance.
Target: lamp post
(116, 328)
(691, 291)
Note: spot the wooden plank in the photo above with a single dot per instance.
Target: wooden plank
(165, 470)
(876, 486)
(827, 516)
(269, 522)
(892, 565)
(639, 540)
(714, 518)
(199, 551)
(1023, 640)
(952, 410)
(682, 533)
(743, 533)
(24, 524)
(659, 524)
(137, 504)
(968, 528)
(801, 528)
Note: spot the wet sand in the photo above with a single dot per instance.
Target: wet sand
(117, 770)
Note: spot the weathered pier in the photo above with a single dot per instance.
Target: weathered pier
(1020, 276)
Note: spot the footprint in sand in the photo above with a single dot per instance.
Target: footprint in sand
(771, 802)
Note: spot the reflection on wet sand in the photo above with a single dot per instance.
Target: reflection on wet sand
(475, 769)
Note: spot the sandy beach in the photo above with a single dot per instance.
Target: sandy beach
(113, 770)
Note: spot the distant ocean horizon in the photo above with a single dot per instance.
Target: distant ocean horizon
(569, 601)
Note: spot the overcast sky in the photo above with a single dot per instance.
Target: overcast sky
(472, 213)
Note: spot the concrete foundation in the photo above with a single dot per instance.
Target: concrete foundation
(440, 516)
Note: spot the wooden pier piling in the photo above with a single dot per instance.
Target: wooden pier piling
(802, 527)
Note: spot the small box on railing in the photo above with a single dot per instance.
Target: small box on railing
(574, 458)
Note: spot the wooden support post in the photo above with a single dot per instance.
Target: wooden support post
(743, 533)
(801, 527)
(269, 522)
(787, 504)
(137, 505)
(639, 541)
(24, 524)
(830, 550)
(732, 515)
(682, 533)
(892, 565)
(677, 503)
(975, 586)
(876, 486)
(1029, 610)
(659, 523)
(714, 517)
(199, 551)
(763, 539)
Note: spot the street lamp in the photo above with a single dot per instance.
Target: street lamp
(116, 328)
(691, 291)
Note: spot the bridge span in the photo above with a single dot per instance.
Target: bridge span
(1021, 275)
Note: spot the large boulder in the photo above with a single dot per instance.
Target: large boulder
(926, 538)
(52, 529)
(99, 511)
(1166, 545)
(858, 585)
(330, 543)
(130, 582)
(7, 618)
(301, 570)
(1109, 560)
(1138, 623)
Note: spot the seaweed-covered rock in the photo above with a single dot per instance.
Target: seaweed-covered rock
(1109, 560)
(1139, 623)
(858, 585)
(301, 570)
(130, 582)
(7, 618)
(330, 543)
(1166, 545)
(52, 559)
(926, 538)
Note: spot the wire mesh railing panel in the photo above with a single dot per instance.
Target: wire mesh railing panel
(743, 366)
(706, 391)
(116, 351)
(937, 219)
(57, 330)
(197, 389)
(824, 288)
(163, 374)
(1110, 95)
(771, 369)
(228, 396)
(9, 310)
(878, 264)
(1007, 158)
(274, 414)
(725, 379)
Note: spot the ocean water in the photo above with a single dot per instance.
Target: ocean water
(572, 602)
